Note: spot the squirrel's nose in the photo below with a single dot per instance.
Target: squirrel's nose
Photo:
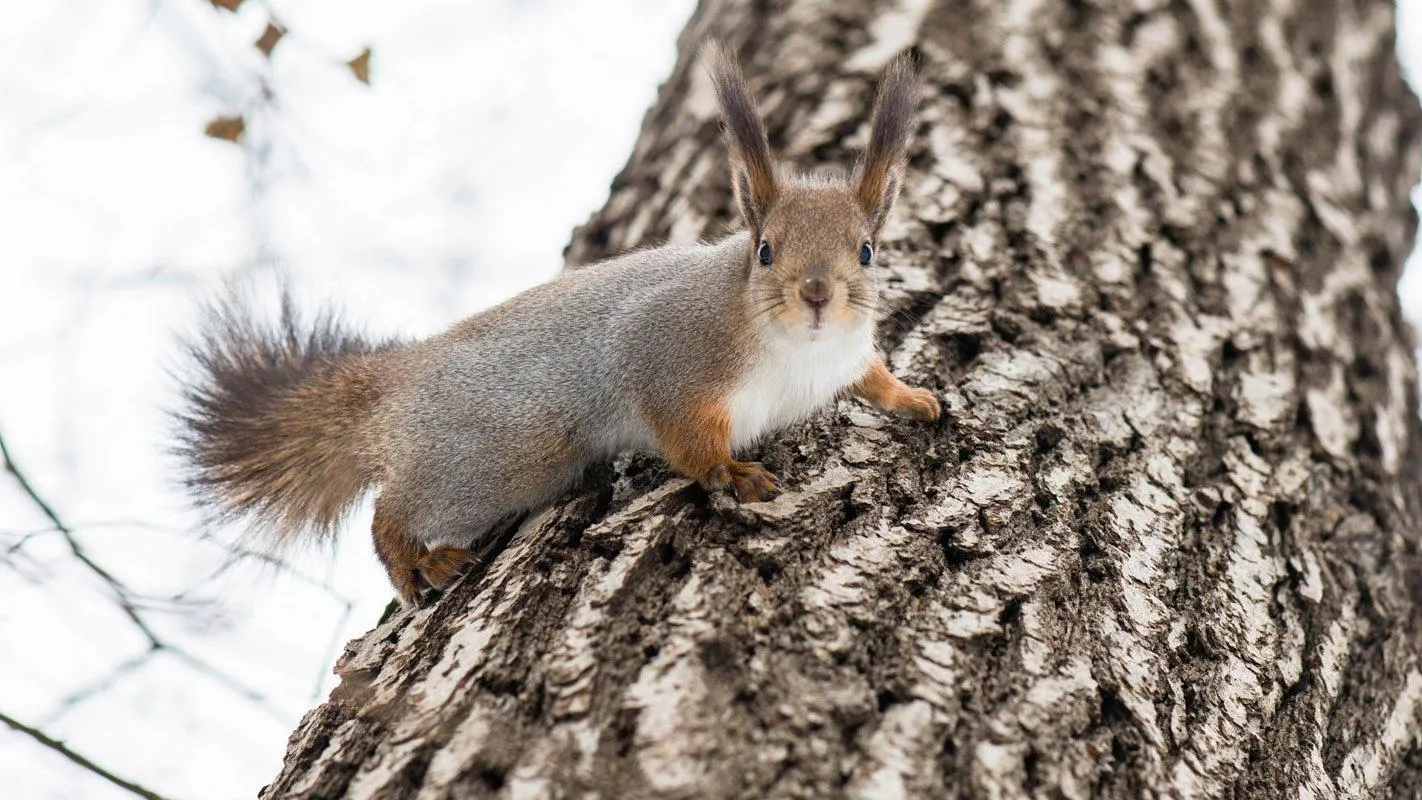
(815, 292)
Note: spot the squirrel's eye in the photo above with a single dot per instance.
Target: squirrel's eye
(763, 253)
(866, 254)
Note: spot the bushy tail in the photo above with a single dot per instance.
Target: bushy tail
(276, 421)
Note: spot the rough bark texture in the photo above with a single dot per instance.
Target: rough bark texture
(1165, 542)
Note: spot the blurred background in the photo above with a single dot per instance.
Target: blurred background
(411, 162)
(449, 181)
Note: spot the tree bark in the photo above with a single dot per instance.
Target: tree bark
(1165, 542)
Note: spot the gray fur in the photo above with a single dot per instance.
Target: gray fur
(579, 360)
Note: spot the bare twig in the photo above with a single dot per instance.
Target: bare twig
(235, 554)
(233, 685)
(72, 700)
(120, 592)
(59, 747)
(125, 598)
(27, 488)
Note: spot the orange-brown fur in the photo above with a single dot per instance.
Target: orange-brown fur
(698, 445)
(880, 387)
(260, 432)
(411, 566)
(753, 169)
(881, 173)
(815, 231)
(398, 552)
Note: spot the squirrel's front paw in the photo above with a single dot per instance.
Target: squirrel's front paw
(919, 404)
(750, 481)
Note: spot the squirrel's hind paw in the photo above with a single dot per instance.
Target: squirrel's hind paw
(442, 564)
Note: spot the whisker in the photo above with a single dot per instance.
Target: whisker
(766, 310)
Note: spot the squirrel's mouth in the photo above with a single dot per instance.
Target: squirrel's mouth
(797, 318)
(826, 319)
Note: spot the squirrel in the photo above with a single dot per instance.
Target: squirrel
(692, 352)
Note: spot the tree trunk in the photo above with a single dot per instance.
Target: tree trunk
(1165, 542)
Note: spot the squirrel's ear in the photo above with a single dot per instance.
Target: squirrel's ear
(881, 173)
(752, 169)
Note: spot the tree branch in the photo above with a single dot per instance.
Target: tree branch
(78, 759)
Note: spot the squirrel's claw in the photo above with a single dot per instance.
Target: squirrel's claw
(921, 404)
(753, 483)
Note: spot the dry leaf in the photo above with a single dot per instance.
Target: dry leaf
(229, 128)
(269, 39)
(360, 66)
(230, 5)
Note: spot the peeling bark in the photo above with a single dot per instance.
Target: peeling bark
(1165, 542)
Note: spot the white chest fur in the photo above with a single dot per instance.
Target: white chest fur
(793, 379)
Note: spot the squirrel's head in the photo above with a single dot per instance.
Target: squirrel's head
(812, 245)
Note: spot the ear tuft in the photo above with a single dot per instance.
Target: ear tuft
(881, 174)
(752, 168)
